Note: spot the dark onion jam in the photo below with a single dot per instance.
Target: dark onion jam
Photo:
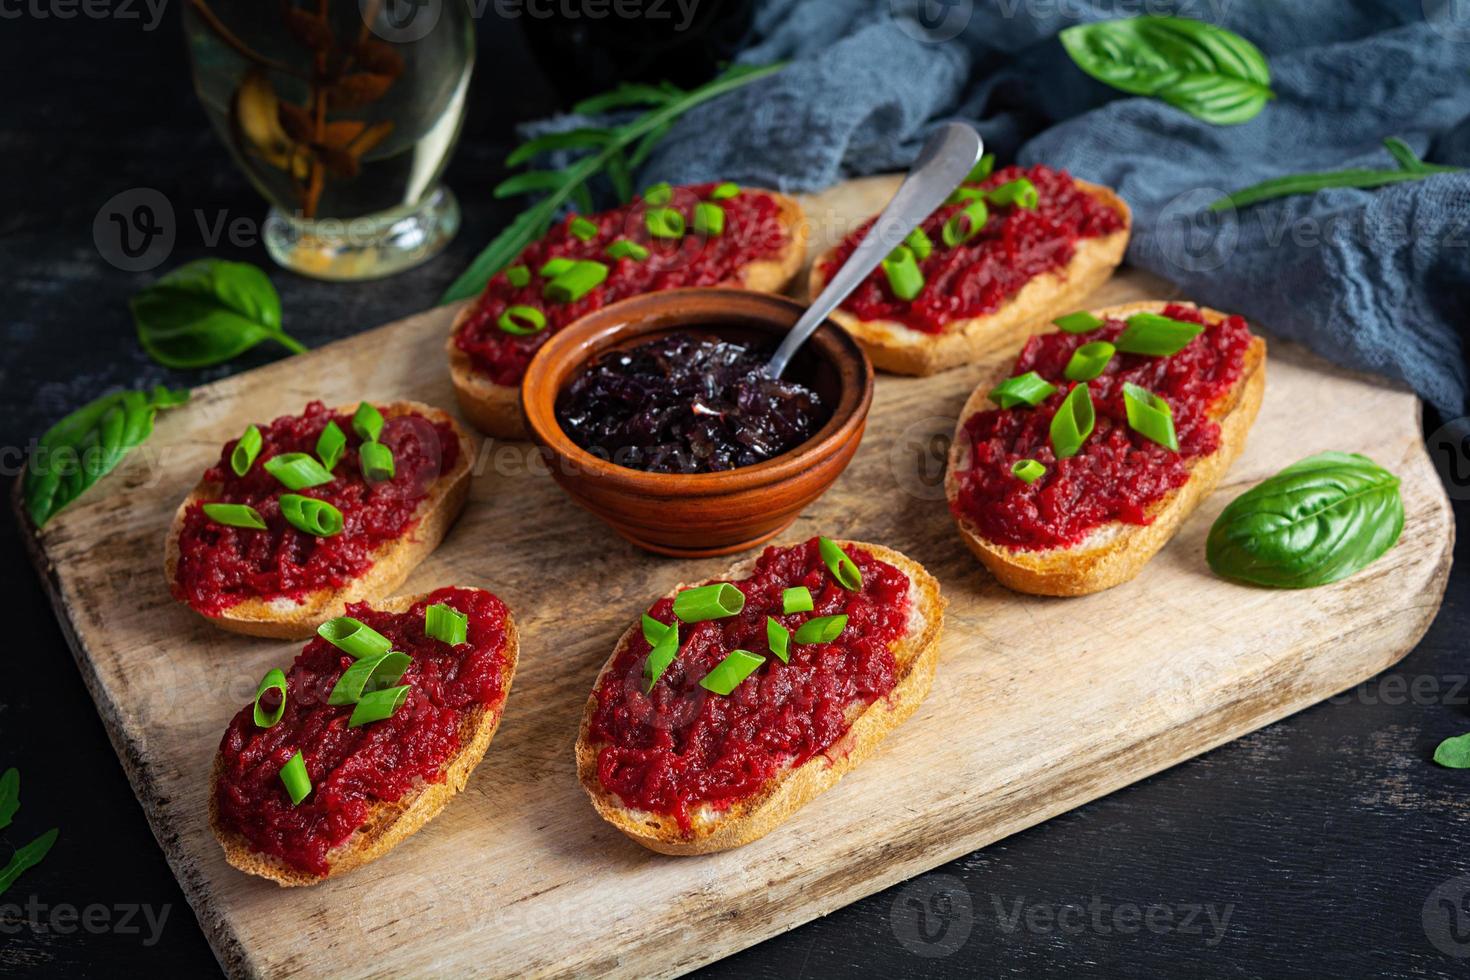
(682, 404)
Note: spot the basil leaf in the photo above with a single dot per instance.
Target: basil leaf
(25, 858)
(1209, 72)
(207, 312)
(1454, 753)
(1317, 521)
(86, 445)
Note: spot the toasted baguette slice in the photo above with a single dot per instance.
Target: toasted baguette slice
(1116, 552)
(894, 347)
(387, 824)
(286, 618)
(749, 819)
(495, 409)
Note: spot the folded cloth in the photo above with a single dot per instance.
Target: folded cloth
(1377, 280)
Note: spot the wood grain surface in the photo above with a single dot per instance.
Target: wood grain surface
(1038, 704)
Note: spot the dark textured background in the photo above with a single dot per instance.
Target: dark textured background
(1323, 836)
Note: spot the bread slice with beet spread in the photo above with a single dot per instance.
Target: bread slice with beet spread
(329, 834)
(1226, 358)
(882, 664)
(284, 585)
(1102, 221)
(761, 247)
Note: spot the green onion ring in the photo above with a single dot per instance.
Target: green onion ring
(235, 515)
(274, 680)
(1080, 322)
(725, 191)
(709, 219)
(576, 282)
(297, 471)
(354, 637)
(315, 517)
(1089, 360)
(377, 705)
(663, 653)
(330, 444)
(623, 248)
(1020, 192)
(1027, 470)
(583, 229)
(367, 675)
(981, 170)
(446, 624)
(1073, 422)
(1024, 389)
(1156, 336)
(963, 195)
(708, 602)
(247, 447)
(965, 223)
(518, 276)
(376, 462)
(653, 630)
(843, 568)
(521, 320)
(367, 422)
(664, 223)
(660, 193)
(295, 779)
(1150, 416)
(796, 599)
(778, 638)
(728, 673)
(555, 267)
(904, 276)
(822, 629)
(919, 243)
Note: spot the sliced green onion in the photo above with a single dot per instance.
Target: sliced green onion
(1073, 422)
(796, 599)
(823, 629)
(1028, 470)
(902, 270)
(1089, 360)
(521, 320)
(962, 195)
(354, 637)
(725, 191)
(330, 444)
(235, 515)
(625, 249)
(274, 680)
(708, 602)
(660, 193)
(295, 779)
(376, 462)
(584, 276)
(583, 229)
(1079, 322)
(555, 267)
(315, 517)
(447, 624)
(1156, 336)
(297, 471)
(965, 223)
(843, 568)
(368, 675)
(982, 169)
(1020, 192)
(653, 630)
(919, 244)
(378, 705)
(1150, 416)
(1024, 389)
(664, 223)
(778, 638)
(247, 447)
(518, 276)
(709, 219)
(367, 422)
(663, 653)
(728, 673)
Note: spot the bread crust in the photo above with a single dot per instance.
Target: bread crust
(284, 618)
(1116, 552)
(752, 818)
(495, 409)
(891, 346)
(388, 824)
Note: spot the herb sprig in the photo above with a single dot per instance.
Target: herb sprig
(29, 855)
(617, 151)
(209, 311)
(1410, 168)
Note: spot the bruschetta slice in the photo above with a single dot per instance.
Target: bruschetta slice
(1072, 469)
(777, 679)
(696, 235)
(1033, 244)
(382, 720)
(299, 517)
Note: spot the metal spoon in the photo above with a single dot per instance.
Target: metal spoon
(943, 164)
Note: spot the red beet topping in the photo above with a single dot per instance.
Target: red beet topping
(220, 566)
(353, 768)
(979, 276)
(683, 746)
(1118, 473)
(752, 231)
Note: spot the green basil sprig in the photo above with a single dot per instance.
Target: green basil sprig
(29, 855)
(1454, 752)
(1317, 521)
(86, 445)
(1209, 72)
(1410, 168)
(207, 312)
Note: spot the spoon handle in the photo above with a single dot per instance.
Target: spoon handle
(943, 164)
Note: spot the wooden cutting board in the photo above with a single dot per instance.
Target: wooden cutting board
(1039, 704)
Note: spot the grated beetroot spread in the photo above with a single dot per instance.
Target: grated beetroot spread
(683, 746)
(1118, 473)
(221, 566)
(979, 276)
(353, 768)
(752, 231)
